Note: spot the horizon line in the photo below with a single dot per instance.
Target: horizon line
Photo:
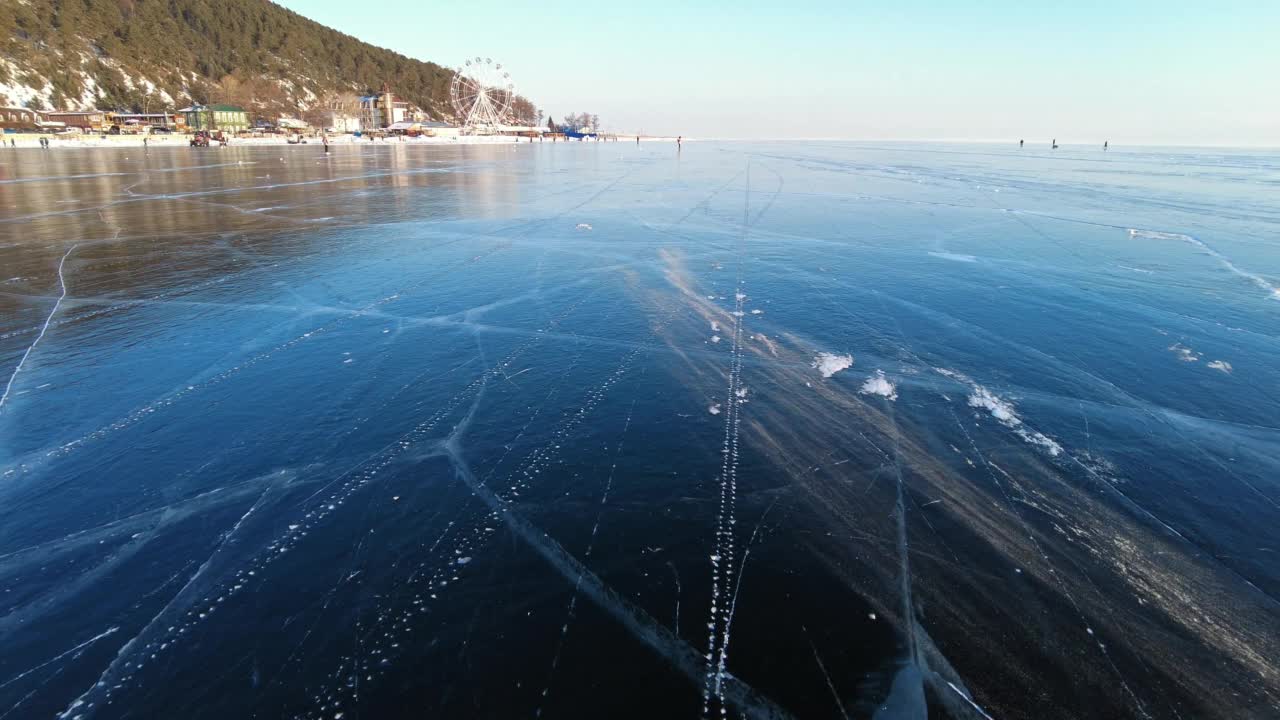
(978, 141)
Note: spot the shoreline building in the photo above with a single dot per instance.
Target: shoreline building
(340, 122)
(435, 128)
(20, 118)
(173, 121)
(229, 118)
(94, 121)
(426, 128)
(385, 109)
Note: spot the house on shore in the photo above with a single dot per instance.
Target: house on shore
(340, 122)
(89, 121)
(435, 128)
(429, 128)
(173, 121)
(227, 118)
(14, 119)
(385, 109)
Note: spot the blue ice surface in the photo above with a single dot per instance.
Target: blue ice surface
(307, 430)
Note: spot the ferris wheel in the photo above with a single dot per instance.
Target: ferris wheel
(481, 94)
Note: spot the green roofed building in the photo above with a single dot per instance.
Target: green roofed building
(227, 118)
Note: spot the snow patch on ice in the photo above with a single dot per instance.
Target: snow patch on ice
(878, 384)
(999, 409)
(957, 257)
(583, 226)
(1222, 365)
(1184, 353)
(1157, 235)
(830, 363)
(1003, 411)
(714, 409)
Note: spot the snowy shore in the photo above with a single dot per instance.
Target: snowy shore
(57, 142)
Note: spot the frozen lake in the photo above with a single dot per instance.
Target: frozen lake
(811, 430)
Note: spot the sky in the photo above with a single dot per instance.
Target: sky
(1181, 73)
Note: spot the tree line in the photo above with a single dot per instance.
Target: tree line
(575, 121)
(252, 53)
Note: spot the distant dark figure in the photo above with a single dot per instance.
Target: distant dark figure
(325, 139)
(1055, 144)
(1105, 143)
(144, 142)
(679, 141)
(637, 141)
(1020, 142)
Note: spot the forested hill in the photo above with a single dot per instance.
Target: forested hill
(148, 54)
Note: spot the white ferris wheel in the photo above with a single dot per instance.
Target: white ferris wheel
(482, 92)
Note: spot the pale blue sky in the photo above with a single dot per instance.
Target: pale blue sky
(1131, 72)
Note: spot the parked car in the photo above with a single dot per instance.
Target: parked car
(160, 130)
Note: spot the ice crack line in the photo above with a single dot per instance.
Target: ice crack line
(59, 656)
(150, 409)
(153, 643)
(43, 329)
(721, 617)
(501, 499)
(586, 557)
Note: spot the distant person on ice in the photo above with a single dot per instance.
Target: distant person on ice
(1020, 142)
